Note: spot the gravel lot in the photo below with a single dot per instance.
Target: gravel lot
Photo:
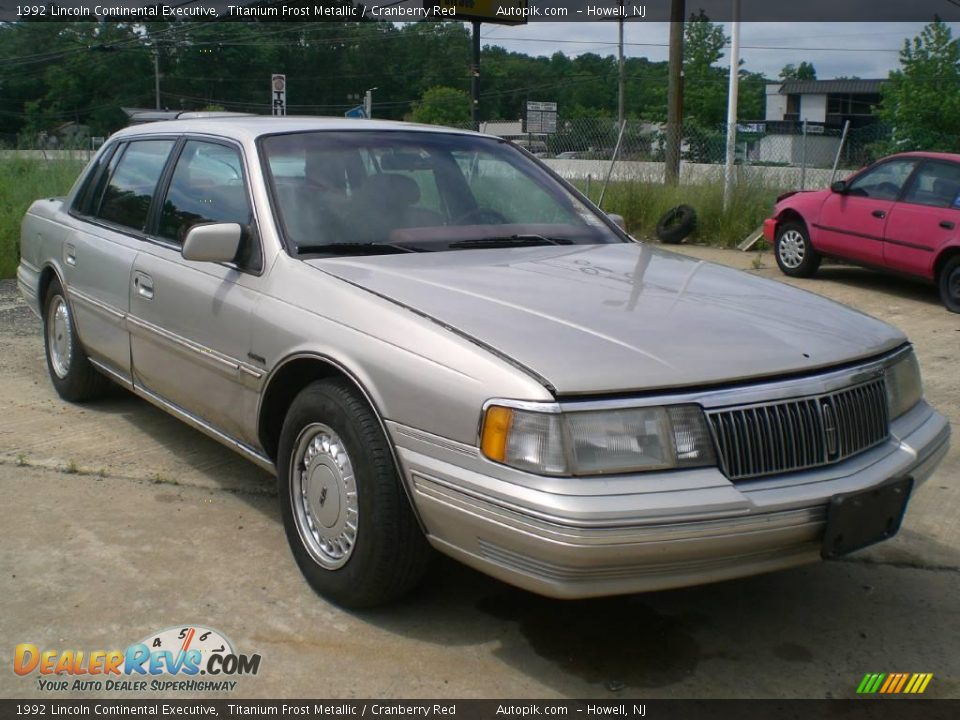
(119, 521)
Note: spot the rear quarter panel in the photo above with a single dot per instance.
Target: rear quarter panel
(43, 232)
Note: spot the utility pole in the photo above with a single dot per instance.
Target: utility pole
(156, 76)
(475, 77)
(675, 93)
(620, 113)
(732, 98)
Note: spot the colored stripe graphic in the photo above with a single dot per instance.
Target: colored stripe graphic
(903, 679)
(894, 683)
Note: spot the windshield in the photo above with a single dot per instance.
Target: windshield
(373, 191)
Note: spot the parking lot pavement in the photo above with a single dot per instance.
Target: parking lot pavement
(119, 521)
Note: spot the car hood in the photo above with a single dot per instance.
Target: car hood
(620, 318)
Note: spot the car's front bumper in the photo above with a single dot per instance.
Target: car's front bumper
(770, 229)
(597, 536)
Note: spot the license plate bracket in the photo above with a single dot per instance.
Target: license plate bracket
(858, 519)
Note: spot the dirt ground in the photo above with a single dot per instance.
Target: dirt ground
(119, 521)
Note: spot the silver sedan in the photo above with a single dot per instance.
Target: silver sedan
(437, 343)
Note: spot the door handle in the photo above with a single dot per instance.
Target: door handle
(947, 224)
(70, 254)
(144, 285)
(879, 214)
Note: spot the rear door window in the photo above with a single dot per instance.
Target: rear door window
(129, 192)
(936, 184)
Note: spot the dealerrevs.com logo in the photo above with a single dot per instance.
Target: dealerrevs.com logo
(189, 658)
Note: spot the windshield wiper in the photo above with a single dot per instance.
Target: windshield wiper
(519, 240)
(357, 248)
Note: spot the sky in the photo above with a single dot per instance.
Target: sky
(866, 50)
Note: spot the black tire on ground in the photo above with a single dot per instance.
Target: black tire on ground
(795, 254)
(949, 282)
(71, 372)
(676, 224)
(348, 521)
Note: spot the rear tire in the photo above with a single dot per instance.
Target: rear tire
(949, 281)
(796, 256)
(73, 375)
(348, 521)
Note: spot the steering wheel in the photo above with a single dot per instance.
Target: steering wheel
(886, 189)
(481, 216)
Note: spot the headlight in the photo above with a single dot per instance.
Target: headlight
(904, 387)
(597, 442)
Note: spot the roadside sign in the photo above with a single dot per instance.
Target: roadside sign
(278, 89)
(541, 117)
(356, 112)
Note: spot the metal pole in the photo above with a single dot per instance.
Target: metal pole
(475, 76)
(732, 97)
(675, 93)
(613, 161)
(843, 141)
(803, 158)
(620, 91)
(156, 76)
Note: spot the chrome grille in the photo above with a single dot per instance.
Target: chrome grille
(777, 437)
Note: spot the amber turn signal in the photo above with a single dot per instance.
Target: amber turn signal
(496, 428)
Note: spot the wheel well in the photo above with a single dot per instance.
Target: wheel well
(283, 387)
(790, 215)
(47, 276)
(943, 259)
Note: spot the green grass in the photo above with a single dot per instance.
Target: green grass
(643, 204)
(22, 181)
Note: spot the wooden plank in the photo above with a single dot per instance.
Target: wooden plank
(751, 239)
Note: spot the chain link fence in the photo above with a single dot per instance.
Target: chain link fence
(787, 154)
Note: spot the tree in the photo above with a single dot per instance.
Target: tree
(803, 71)
(921, 100)
(705, 86)
(442, 106)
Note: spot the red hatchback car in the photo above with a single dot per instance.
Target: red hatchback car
(901, 214)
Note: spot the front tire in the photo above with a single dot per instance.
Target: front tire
(347, 519)
(949, 281)
(796, 256)
(71, 372)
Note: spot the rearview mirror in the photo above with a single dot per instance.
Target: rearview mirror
(618, 220)
(212, 242)
(840, 186)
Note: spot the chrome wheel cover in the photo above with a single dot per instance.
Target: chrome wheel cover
(792, 249)
(323, 496)
(59, 336)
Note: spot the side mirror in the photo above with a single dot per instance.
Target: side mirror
(839, 187)
(212, 242)
(618, 220)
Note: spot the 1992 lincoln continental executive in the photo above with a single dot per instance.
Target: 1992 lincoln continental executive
(435, 341)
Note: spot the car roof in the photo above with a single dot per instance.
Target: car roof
(248, 127)
(952, 157)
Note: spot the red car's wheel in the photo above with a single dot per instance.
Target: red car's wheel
(950, 284)
(795, 255)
